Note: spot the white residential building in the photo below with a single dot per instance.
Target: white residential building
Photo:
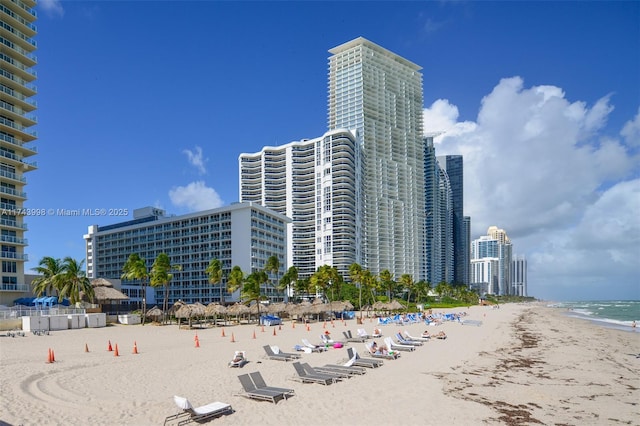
(379, 94)
(314, 182)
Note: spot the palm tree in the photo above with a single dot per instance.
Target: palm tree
(355, 275)
(290, 277)
(387, 282)
(235, 280)
(422, 289)
(135, 268)
(272, 266)
(214, 271)
(49, 270)
(253, 284)
(73, 280)
(407, 282)
(161, 276)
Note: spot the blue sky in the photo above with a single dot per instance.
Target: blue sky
(150, 103)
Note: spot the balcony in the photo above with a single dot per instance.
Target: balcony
(13, 240)
(13, 255)
(22, 288)
(13, 176)
(13, 192)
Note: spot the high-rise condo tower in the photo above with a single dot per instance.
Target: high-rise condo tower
(379, 94)
(16, 107)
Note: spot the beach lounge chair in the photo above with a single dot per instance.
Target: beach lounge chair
(277, 356)
(363, 333)
(401, 340)
(416, 339)
(389, 355)
(351, 338)
(189, 414)
(363, 361)
(252, 392)
(259, 383)
(328, 341)
(325, 371)
(239, 359)
(277, 351)
(314, 348)
(348, 367)
(393, 346)
(304, 377)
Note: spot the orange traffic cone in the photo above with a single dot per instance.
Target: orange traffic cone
(86, 347)
(135, 348)
(308, 328)
(324, 325)
(116, 353)
(279, 326)
(274, 331)
(223, 332)
(197, 343)
(293, 324)
(254, 334)
(53, 356)
(49, 357)
(110, 348)
(196, 337)
(263, 328)
(233, 339)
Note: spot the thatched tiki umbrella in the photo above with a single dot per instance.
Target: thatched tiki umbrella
(154, 313)
(103, 293)
(214, 309)
(319, 307)
(189, 312)
(237, 310)
(301, 309)
(394, 305)
(277, 308)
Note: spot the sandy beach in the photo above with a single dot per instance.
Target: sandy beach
(526, 364)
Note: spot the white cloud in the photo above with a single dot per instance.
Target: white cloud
(196, 196)
(540, 167)
(196, 159)
(631, 131)
(52, 7)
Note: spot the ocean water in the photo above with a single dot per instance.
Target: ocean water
(619, 314)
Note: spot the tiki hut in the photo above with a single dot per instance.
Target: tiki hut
(155, 314)
(104, 293)
(214, 309)
(238, 310)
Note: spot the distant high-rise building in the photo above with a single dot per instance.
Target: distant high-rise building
(379, 94)
(453, 166)
(439, 219)
(315, 182)
(494, 248)
(519, 275)
(16, 107)
(467, 245)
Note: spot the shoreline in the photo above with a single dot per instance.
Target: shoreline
(525, 364)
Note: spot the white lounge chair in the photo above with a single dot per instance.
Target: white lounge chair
(393, 346)
(239, 359)
(417, 339)
(189, 414)
(314, 348)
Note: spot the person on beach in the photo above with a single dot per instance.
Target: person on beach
(378, 350)
(441, 335)
(426, 334)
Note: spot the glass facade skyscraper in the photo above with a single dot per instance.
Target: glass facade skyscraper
(379, 94)
(453, 165)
